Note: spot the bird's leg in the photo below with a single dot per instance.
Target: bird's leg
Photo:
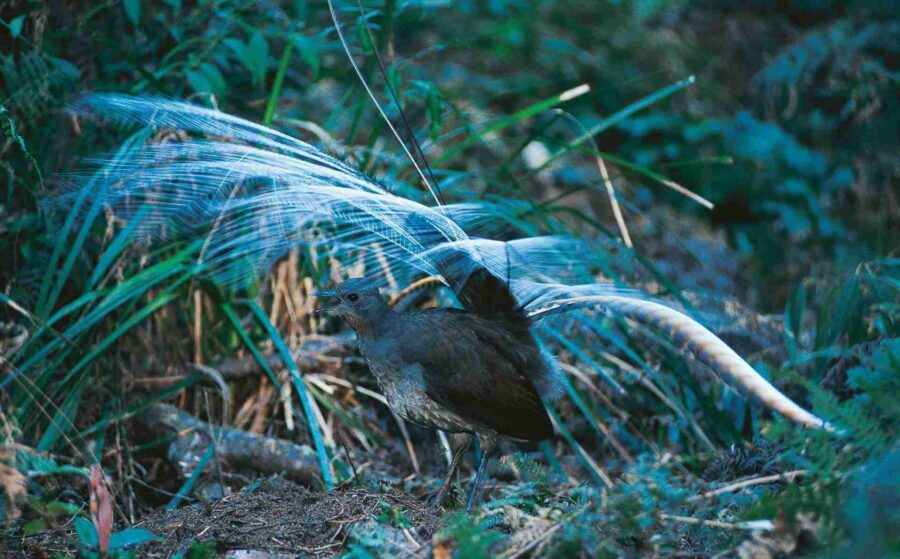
(459, 443)
(486, 444)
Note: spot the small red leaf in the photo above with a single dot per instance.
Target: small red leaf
(101, 507)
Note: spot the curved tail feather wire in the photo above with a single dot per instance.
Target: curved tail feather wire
(697, 340)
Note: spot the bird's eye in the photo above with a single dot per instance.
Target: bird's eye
(353, 297)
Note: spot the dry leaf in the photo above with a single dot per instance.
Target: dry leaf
(786, 540)
(101, 507)
(13, 484)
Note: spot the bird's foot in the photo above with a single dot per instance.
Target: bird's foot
(435, 500)
(444, 495)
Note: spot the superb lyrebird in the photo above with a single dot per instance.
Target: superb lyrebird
(248, 194)
(467, 372)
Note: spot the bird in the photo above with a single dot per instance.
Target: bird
(245, 195)
(461, 371)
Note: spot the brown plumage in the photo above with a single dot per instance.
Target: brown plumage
(455, 370)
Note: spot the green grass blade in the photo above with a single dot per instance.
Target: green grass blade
(578, 352)
(115, 248)
(47, 299)
(74, 252)
(518, 116)
(302, 393)
(577, 448)
(192, 479)
(97, 447)
(614, 119)
(248, 343)
(112, 298)
(329, 404)
(157, 303)
(555, 465)
(583, 407)
(61, 241)
(279, 81)
(135, 409)
(64, 417)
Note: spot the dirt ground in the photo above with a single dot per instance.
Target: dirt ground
(276, 518)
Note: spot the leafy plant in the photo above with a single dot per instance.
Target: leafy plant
(118, 541)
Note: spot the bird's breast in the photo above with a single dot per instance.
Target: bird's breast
(403, 387)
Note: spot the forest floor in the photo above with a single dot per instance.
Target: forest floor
(271, 518)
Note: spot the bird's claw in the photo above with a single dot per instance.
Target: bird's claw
(437, 499)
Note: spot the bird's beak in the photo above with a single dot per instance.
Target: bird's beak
(329, 300)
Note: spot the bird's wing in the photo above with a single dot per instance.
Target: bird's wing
(478, 370)
(491, 284)
(485, 294)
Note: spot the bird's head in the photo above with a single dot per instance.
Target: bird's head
(357, 301)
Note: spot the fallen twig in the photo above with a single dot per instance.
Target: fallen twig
(750, 525)
(787, 476)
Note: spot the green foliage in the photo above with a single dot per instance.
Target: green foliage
(468, 536)
(392, 516)
(871, 509)
(198, 550)
(87, 537)
(34, 81)
(791, 132)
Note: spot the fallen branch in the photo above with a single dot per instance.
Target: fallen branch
(787, 476)
(763, 525)
(239, 449)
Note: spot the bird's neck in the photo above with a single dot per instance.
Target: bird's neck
(373, 323)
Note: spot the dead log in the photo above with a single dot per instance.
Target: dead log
(237, 449)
